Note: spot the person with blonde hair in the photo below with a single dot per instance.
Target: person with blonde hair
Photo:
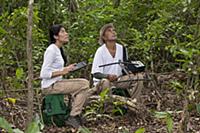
(109, 76)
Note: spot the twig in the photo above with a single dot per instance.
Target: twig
(132, 103)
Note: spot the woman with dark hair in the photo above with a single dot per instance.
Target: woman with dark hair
(54, 68)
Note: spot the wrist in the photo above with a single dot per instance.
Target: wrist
(63, 72)
(108, 76)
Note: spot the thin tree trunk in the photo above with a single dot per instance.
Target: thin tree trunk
(30, 66)
(116, 3)
(73, 5)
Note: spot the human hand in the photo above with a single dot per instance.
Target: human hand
(68, 68)
(112, 77)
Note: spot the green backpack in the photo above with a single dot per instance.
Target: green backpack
(54, 110)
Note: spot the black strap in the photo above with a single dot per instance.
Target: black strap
(125, 57)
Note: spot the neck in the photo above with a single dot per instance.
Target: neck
(58, 44)
(111, 45)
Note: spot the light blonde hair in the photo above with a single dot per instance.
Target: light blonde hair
(102, 31)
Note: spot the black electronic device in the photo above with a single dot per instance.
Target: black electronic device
(135, 66)
(80, 65)
(132, 66)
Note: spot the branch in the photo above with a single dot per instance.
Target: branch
(131, 103)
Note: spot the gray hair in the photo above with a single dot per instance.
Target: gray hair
(102, 31)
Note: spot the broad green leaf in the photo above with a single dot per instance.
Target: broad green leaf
(19, 73)
(33, 127)
(140, 130)
(11, 100)
(161, 114)
(198, 108)
(104, 93)
(84, 130)
(17, 131)
(169, 125)
(5, 125)
(2, 31)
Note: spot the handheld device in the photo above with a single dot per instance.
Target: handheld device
(80, 65)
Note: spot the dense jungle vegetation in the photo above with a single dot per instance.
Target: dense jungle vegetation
(163, 34)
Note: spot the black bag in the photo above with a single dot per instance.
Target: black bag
(133, 66)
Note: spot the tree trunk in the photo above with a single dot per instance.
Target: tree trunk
(30, 66)
(73, 5)
(116, 3)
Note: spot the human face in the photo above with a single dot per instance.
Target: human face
(62, 36)
(110, 34)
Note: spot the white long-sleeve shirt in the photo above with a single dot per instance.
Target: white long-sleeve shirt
(102, 57)
(52, 62)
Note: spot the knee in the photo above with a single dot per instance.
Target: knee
(105, 83)
(85, 83)
(140, 76)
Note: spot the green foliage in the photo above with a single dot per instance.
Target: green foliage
(33, 127)
(13, 46)
(198, 108)
(84, 130)
(97, 106)
(18, 82)
(165, 35)
(140, 130)
(5, 125)
(170, 123)
(2, 31)
(118, 108)
(168, 119)
(176, 85)
(19, 73)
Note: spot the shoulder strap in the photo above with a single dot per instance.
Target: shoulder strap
(125, 56)
(125, 59)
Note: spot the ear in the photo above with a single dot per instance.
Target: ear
(56, 37)
(104, 38)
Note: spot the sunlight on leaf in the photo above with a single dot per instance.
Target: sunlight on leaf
(176, 85)
(169, 124)
(104, 93)
(84, 130)
(17, 131)
(11, 100)
(19, 73)
(161, 114)
(33, 128)
(140, 130)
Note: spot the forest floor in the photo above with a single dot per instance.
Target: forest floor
(154, 98)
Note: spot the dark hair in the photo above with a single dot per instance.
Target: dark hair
(53, 31)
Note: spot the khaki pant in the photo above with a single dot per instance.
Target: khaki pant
(76, 87)
(132, 82)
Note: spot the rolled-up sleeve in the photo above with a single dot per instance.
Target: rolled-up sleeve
(46, 71)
